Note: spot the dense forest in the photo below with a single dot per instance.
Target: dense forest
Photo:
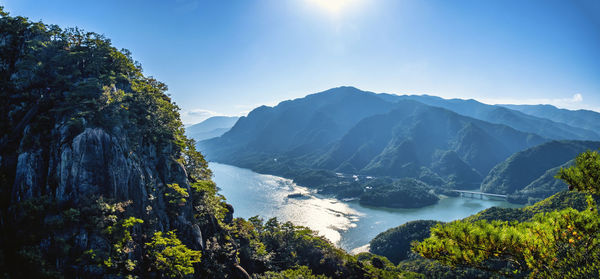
(98, 180)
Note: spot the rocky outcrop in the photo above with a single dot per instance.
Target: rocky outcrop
(100, 163)
(93, 163)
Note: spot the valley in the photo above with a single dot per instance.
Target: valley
(414, 148)
(348, 224)
(104, 175)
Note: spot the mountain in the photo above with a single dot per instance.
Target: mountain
(351, 131)
(415, 135)
(395, 243)
(542, 187)
(552, 124)
(585, 119)
(294, 127)
(530, 173)
(212, 127)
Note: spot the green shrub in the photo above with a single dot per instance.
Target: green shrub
(170, 257)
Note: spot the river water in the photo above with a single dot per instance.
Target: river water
(347, 224)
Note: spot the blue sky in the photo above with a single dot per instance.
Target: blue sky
(227, 57)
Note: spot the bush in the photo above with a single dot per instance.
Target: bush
(170, 257)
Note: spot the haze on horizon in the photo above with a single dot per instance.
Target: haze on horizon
(226, 59)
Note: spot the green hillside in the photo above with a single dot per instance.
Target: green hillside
(350, 131)
(529, 173)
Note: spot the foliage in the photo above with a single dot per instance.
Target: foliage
(584, 176)
(194, 163)
(404, 193)
(176, 194)
(291, 245)
(113, 223)
(122, 246)
(208, 204)
(528, 176)
(434, 269)
(45, 233)
(170, 257)
(558, 201)
(302, 272)
(287, 251)
(375, 266)
(560, 242)
(26, 231)
(253, 254)
(395, 243)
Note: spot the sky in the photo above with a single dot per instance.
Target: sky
(228, 57)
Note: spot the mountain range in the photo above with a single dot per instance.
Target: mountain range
(455, 143)
(567, 126)
(211, 127)
(586, 119)
(348, 130)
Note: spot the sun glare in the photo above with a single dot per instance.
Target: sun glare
(334, 7)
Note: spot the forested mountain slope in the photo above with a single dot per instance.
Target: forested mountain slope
(417, 134)
(297, 126)
(569, 126)
(530, 173)
(351, 131)
(586, 119)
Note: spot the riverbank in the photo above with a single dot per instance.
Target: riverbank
(348, 224)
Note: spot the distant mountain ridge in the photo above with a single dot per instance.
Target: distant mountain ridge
(552, 123)
(211, 127)
(585, 119)
(349, 130)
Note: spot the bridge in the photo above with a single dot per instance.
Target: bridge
(464, 193)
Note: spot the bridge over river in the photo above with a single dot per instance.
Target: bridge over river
(473, 194)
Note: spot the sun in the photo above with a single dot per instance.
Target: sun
(334, 7)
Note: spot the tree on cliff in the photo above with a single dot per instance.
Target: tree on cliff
(559, 244)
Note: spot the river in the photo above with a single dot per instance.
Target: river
(347, 224)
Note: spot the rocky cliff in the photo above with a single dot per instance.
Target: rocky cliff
(94, 168)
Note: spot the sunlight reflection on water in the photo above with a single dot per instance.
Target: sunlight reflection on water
(347, 224)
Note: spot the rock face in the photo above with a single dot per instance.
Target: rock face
(98, 163)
